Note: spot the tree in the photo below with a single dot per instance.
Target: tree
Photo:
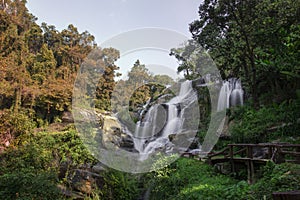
(163, 79)
(138, 74)
(34, 38)
(244, 37)
(194, 60)
(38, 65)
(106, 83)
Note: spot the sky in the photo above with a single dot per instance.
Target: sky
(106, 19)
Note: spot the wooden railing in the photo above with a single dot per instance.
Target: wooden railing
(251, 154)
(260, 152)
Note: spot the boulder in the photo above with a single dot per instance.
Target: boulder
(85, 181)
(183, 140)
(67, 117)
(111, 125)
(225, 131)
(113, 136)
(67, 192)
(98, 168)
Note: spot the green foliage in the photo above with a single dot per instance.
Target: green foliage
(30, 169)
(119, 185)
(255, 40)
(39, 64)
(140, 87)
(13, 124)
(277, 178)
(106, 83)
(163, 79)
(191, 179)
(64, 146)
(138, 74)
(45, 151)
(28, 156)
(27, 185)
(266, 124)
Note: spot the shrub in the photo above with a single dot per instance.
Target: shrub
(265, 124)
(27, 185)
(44, 150)
(15, 124)
(191, 179)
(277, 178)
(119, 185)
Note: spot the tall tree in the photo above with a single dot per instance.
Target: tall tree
(245, 36)
(138, 74)
(106, 67)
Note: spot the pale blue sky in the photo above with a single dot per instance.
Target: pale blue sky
(107, 18)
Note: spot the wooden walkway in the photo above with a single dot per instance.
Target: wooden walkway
(251, 155)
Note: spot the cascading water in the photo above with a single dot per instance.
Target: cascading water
(173, 120)
(231, 94)
(236, 97)
(149, 136)
(223, 101)
(145, 128)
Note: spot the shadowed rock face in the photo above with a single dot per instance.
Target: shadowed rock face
(111, 126)
(81, 180)
(113, 137)
(108, 129)
(67, 117)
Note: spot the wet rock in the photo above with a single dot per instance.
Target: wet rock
(67, 192)
(63, 169)
(113, 137)
(183, 140)
(98, 168)
(126, 142)
(85, 181)
(67, 117)
(111, 125)
(225, 131)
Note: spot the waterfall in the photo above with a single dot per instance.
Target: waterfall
(145, 128)
(148, 136)
(231, 94)
(172, 120)
(224, 95)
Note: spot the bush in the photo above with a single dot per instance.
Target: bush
(119, 185)
(191, 179)
(266, 124)
(277, 178)
(43, 151)
(15, 124)
(27, 185)
(28, 170)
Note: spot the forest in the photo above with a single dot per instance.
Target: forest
(42, 155)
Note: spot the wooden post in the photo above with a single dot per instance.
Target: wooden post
(231, 158)
(248, 171)
(249, 152)
(270, 152)
(297, 158)
(252, 172)
(280, 156)
(250, 166)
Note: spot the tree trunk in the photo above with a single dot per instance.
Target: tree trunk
(17, 100)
